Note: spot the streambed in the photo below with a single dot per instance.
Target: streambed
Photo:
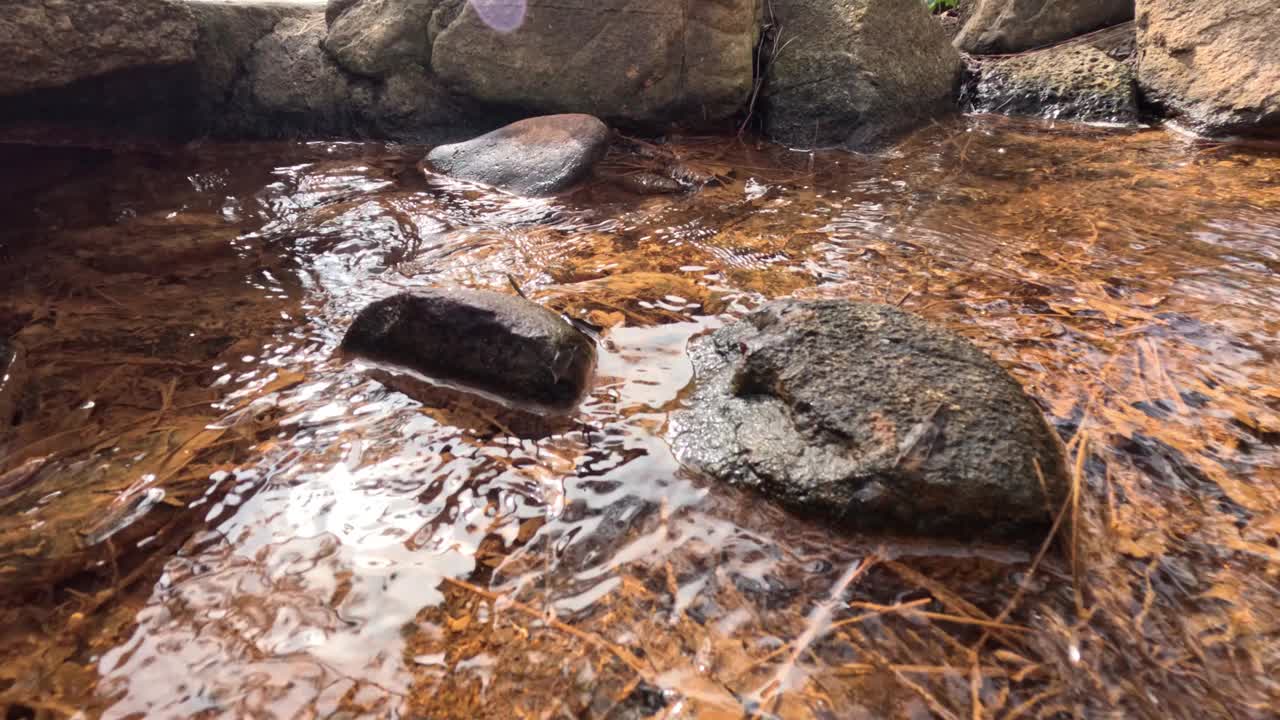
(207, 515)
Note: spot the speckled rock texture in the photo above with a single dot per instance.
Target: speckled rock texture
(536, 156)
(51, 43)
(631, 62)
(871, 417)
(378, 37)
(1009, 26)
(502, 345)
(1076, 82)
(855, 73)
(1213, 65)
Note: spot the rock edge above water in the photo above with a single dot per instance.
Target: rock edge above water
(498, 344)
(871, 417)
(538, 156)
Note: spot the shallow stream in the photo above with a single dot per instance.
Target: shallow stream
(203, 513)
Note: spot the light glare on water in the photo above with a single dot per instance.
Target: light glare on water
(357, 552)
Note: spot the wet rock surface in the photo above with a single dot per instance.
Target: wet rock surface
(870, 416)
(498, 344)
(1008, 26)
(1215, 66)
(50, 44)
(854, 73)
(536, 156)
(1069, 83)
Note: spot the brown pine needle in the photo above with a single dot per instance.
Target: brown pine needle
(617, 651)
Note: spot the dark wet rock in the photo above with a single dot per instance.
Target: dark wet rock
(856, 73)
(49, 44)
(377, 37)
(1215, 66)
(870, 416)
(1009, 26)
(498, 344)
(1069, 83)
(536, 156)
(13, 380)
(621, 60)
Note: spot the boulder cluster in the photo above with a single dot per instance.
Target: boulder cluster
(811, 73)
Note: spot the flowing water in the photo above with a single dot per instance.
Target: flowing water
(203, 513)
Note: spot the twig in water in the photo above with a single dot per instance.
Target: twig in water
(818, 625)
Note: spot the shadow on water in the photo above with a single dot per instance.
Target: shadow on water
(205, 514)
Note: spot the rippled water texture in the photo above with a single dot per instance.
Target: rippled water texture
(206, 515)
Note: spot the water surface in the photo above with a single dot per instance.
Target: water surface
(219, 519)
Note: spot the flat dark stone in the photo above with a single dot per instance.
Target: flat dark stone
(498, 344)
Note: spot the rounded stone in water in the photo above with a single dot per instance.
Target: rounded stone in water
(871, 416)
(498, 344)
(536, 156)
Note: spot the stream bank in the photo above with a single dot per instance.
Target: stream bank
(810, 73)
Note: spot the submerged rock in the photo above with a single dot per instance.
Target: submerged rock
(1216, 66)
(13, 378)
(51, 44)
(1009, 26)
(498, 344)
(1069, 83)
(537, 156)
(870, 416)
(856, 72)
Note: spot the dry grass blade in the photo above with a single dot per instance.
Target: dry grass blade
(817, 625)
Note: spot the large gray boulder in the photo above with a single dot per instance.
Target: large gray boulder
(227, 34)
(53, 43)
(627, 61)
(290, 76)
(377, 37)
(498, 344)
(869, 416)
(288, 86)
(1214, 65)
(1076, 82)
(1009, 26)
(536, 156)
(856, 72)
